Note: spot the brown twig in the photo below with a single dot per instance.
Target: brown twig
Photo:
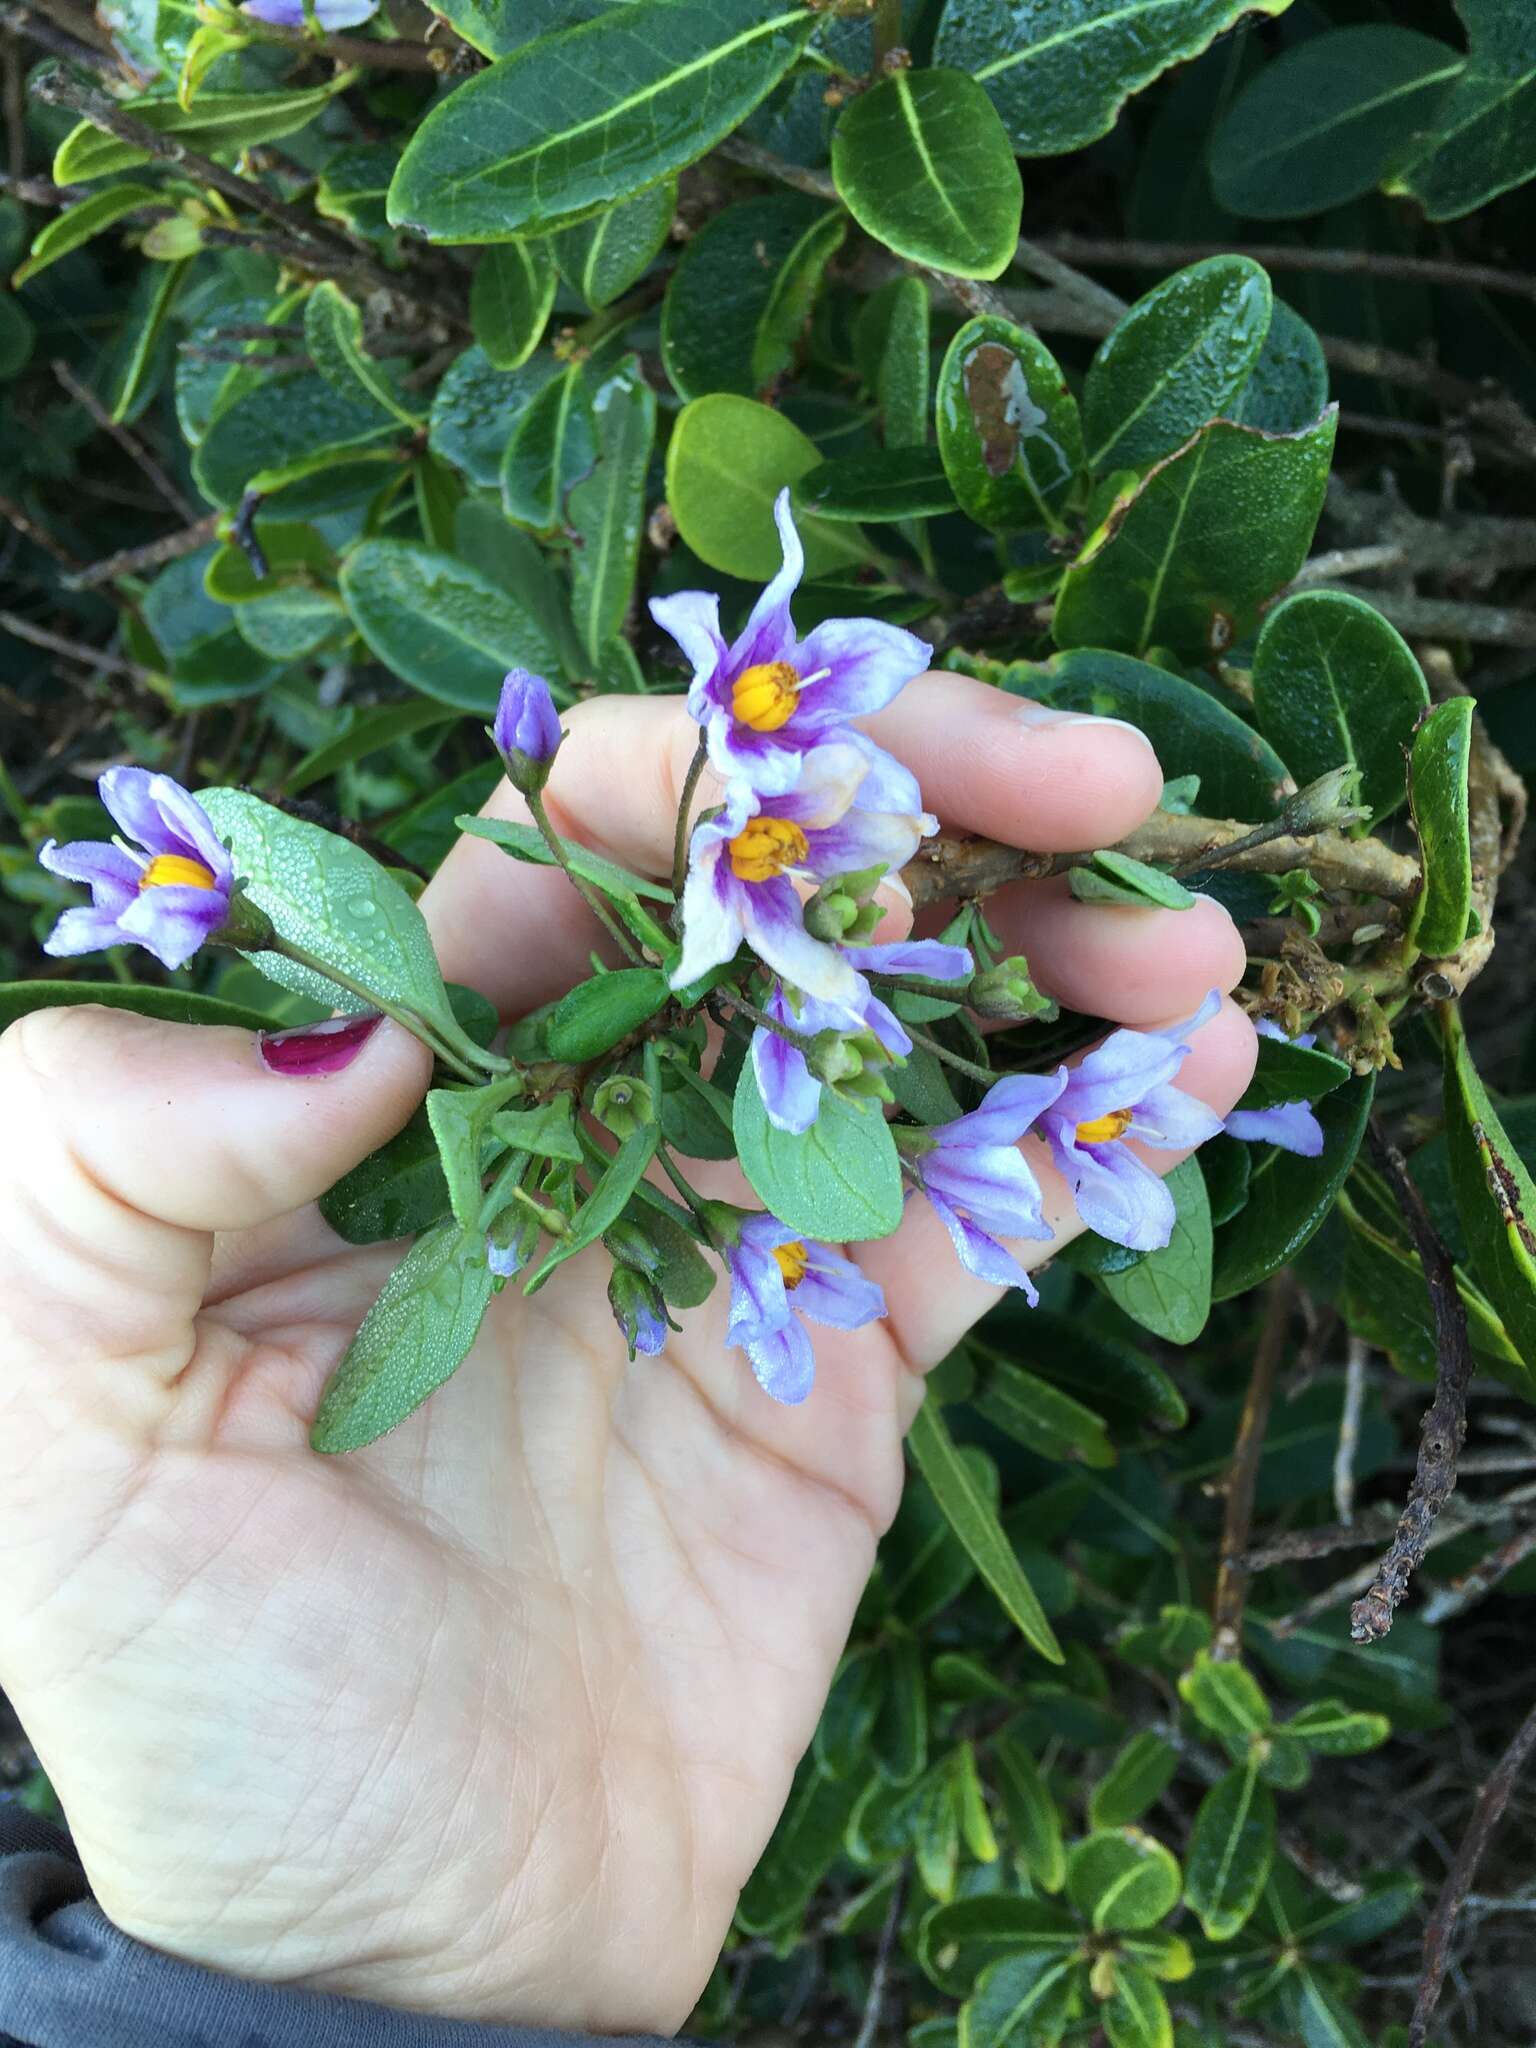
(26, 21)
(874, 2005)
(152, 554)
(1486, 277)
(1486, 1815)
(399, 55)
(1243, 1472)
(1445, 1420)
(1349, 1430)
(18, 516)
(74, 650)
(129, 442)
(1476, 1584)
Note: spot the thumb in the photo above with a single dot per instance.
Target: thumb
(128, 1142)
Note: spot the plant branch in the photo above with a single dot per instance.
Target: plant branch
(18, 516)
(584, 889)
(151, 554)
(1243, 1473)
(129, 442)
(1449, 1601)
(684, 812)
(1445, 1421)
(398, 55)
(76, 650)
(1486, 1815)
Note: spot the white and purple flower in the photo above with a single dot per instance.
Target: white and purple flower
(791, 1092)
(776, 1278)
(742, 859)
(978, 1181)
(1121, 1090)
(769, 697)
(330, 14)
(1292, 1126)
(169, 898)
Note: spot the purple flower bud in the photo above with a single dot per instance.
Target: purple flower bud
(331, 14)
(638, 1311)
(527, 731)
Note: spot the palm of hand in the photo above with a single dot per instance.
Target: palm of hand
(495, 1717)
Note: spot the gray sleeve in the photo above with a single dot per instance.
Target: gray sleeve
(70, 1979)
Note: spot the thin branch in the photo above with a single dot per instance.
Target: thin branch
(400, 55)
(1445, 1421)
(26, 21)
(1449, 1601)
(874, 2005)
(1486, 1815)
(18, 516)
(129, 442)
(1243, 1473)
(1349, 1430)
(74, 650)
(1485, 277)
(152, 554)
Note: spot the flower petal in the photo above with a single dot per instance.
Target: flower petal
(84, 930)
(191, 824)
(1290, 1125)
(833, 1291)
(1007, 1110)
(790, 1091)
(1118, 1073)
(993, 1184)
(930, 958)
(103, 867)
(888, 785)
(126, 794)
(827, 787)
(1115, 1194)
(870, 661)
(866, 839)
(692, 617)
(173, 922)
(714, 907)
(1171, 1120)
(981, 1254)
(783, 1360)
(769, 634)
(774, 924)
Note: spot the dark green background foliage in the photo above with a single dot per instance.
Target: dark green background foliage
(515, 316)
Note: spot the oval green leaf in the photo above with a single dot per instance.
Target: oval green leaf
(510, 298)
(727, 460)
(1122, 1879)
(1230, 1852)
(1008, 428)
(1438, 770)
(607, 252)
(839, 1181)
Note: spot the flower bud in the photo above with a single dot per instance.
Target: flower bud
(841, 909)
(510, 1244)
(1332, 802)
(638, 1311)
(834, 1056)
(1006, 992)
(624, 1104)
(526, 732)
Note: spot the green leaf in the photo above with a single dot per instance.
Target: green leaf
(1240, 774)
(1024, 2001)
(368, 733)
(1482, 140)
(1329, 119)
(596, 113)
(742, 292)
(439, 625)
(1178, 358)
(333, 335)
(975, 1521)
(416, 1335)
(849, 1714)
(1122, 1879)
(78, 223)
(1169, 1291)
(1128, 1388)
(839, 1181)
(598, 1013)
(606, 511)
(136, 364)
(1168, 1644)
(1138, 1777)
(510, 300)
(804, 1844)
(17, 335)
(606, 1203)
(1111, 877)
(474, 408)
(899, 1737)
(1329, 1728)
(1136, 2013)
(1034, 1819)
(1289, 1200)
(551, 446)
(1321, 2018)
(329, 897)
(923, 1564)
(1292, 1073)
(287, 625)
(397, 1191)
(1225, 1698)
(971, 1802)
(1336, 686)
(1289, 384)
(460, 1119)
(923, 163)
(173, 1005)
(352, 186)
(1059, 71)
(546, 1131)
(727, 460)
(890, 339)
(602, 257)
(1438, 770)
(286, 424)
(1495, 1195)
(1041, 1417)
(1230, 1852)
(1189, 556)
(1008, 428)
(219, 124)
(879, 484)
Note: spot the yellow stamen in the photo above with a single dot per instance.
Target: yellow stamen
(1100, 1130)
(176, 871)
(792, 1260)
(764, 696)
(766, 848)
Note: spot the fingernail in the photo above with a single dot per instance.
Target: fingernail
(1039, 715)
(316, 1049)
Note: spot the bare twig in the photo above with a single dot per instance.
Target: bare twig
(129, 442)
(1349, 1430)
(28, 22)
(399, 55)
(1445, 1421)
(1486, 1816)
(874, 2005)
(1243, 1472)
(151, 555)
(18, 516)
(1449, 1601)
(74, 650)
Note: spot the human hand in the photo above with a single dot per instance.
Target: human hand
(494, 1717)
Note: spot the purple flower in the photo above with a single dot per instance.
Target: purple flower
(637, 1309)
(168, 898)
(980, 1186)
(1124, 1089)
(791, 1092)
(526, 731)
(776, 1278)
(331, 14)
(741, 861)
(1290, 1125)
(768, 698)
